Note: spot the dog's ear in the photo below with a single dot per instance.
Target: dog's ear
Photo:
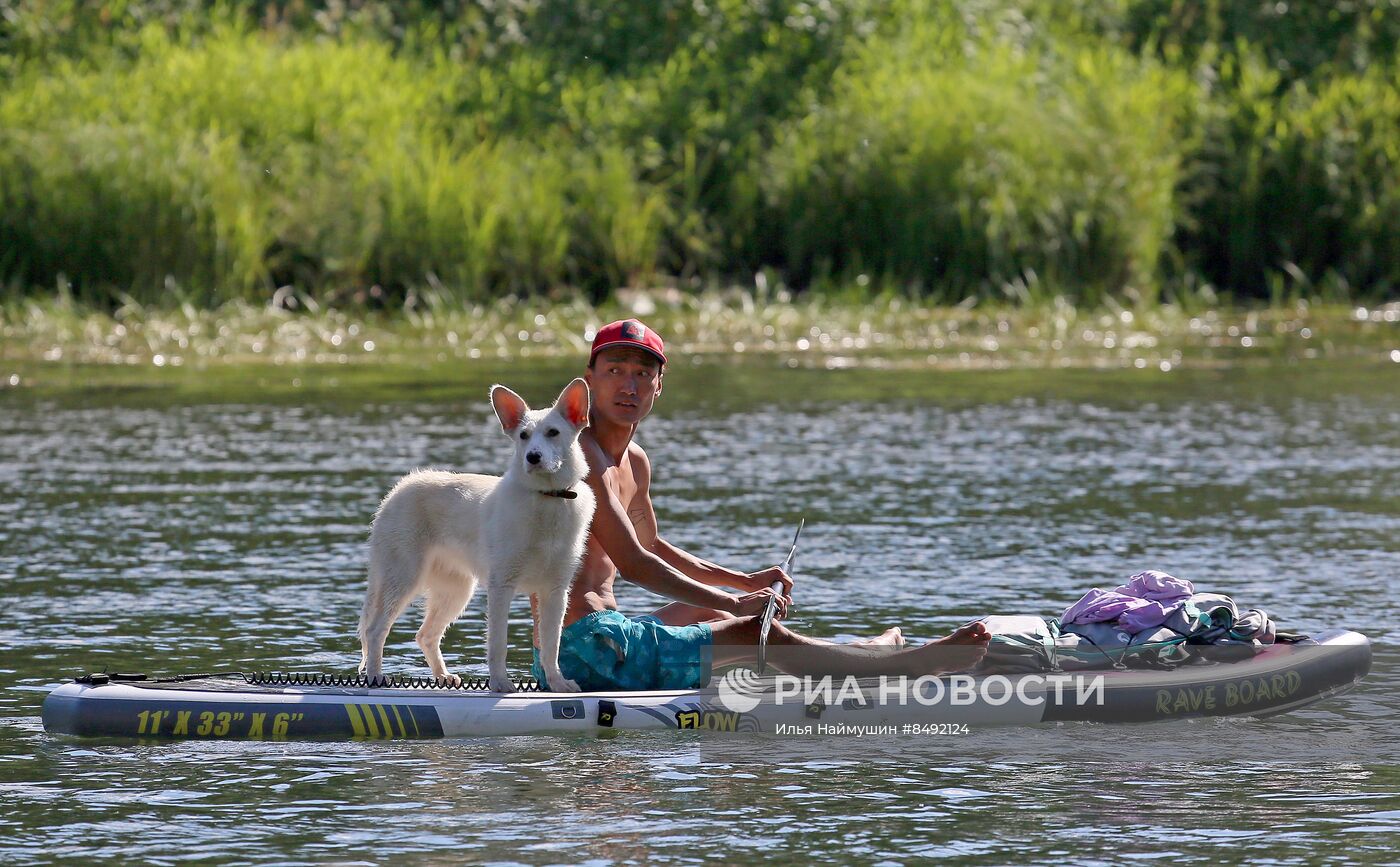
(510, 407)
(573, 403)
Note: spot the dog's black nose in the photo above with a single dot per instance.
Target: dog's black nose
(532, 457)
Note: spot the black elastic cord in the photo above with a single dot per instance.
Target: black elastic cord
(391, 681)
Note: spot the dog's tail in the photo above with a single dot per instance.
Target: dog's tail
(394, 579)
(368, 614)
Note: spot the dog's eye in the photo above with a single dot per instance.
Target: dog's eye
(524, 434)
(551, 433)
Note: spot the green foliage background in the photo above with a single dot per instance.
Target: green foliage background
(172, 151)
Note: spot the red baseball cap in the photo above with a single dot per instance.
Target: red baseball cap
(628, 332)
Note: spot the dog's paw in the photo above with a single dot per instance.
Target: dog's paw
(563, 684)
(500, 684)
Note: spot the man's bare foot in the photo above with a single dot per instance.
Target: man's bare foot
(891, 637)
(957, 652)
(973, 633)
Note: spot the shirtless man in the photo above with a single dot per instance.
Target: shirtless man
(675, 647)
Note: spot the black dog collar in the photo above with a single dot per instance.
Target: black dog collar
(565, 494)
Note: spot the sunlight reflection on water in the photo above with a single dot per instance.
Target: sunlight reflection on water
(205, 535)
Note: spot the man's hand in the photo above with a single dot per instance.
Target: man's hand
(765, 578)
(754, 603)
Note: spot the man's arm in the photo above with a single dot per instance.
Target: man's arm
(643, 518)
(615, 534)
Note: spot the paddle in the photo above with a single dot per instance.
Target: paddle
(766, 621)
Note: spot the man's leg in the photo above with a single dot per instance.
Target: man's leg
(685, 614)
(736, 641)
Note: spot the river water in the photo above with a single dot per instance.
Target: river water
(193, 522)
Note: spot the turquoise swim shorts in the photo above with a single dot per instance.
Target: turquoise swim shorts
(608, 651)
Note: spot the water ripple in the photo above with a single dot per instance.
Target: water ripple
(213, 535)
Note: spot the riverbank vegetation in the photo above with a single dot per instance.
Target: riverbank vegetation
(764, 326)
(162, 154)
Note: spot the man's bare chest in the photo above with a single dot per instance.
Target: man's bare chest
(623, 484)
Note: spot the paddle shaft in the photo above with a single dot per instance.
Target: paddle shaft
(765, 623)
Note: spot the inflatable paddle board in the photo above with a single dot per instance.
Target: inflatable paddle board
(296, 706)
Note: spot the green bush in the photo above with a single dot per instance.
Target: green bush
(125, 206)
(247, 162)
(1304, 186)
(1296, 39)
(959, 163)
(153, 147)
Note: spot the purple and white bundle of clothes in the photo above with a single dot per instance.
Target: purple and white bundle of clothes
(1154, 619)
(1153, 599)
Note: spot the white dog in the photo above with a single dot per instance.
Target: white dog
(440, 533)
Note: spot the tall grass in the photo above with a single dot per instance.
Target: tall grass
(963, 164)
(246, 161)
(1303, 189)
(161, 151)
